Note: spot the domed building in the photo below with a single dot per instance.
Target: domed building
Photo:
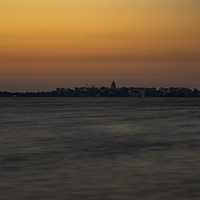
(113, 85)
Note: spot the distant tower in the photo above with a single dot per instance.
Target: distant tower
(113, 85)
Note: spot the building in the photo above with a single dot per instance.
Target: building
(113, 85)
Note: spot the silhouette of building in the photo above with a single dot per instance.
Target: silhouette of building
(112, 91)
(113, 85)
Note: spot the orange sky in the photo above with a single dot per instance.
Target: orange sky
(47, 43)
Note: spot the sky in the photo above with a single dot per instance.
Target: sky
(46, 44)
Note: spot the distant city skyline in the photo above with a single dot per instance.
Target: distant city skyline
(113, 90)
(42, 86)
(46, 44)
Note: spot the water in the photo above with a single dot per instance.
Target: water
(99, 148)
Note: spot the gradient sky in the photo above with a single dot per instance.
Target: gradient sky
(64, 43)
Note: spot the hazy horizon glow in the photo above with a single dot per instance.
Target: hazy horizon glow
(45, 44)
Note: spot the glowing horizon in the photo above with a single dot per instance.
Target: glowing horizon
(44, 44)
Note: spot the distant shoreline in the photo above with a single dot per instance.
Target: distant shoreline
(85, 97)
(113, 91)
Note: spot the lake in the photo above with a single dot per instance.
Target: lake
(99, 148)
